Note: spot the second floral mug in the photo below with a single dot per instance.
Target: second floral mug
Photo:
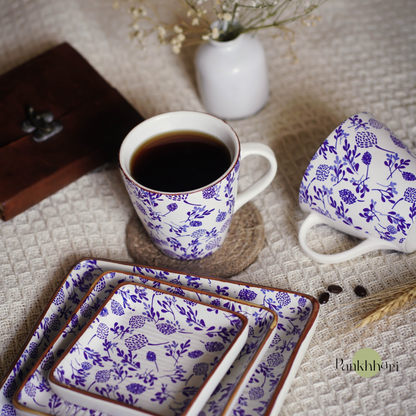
(192, 224)
(361, 181)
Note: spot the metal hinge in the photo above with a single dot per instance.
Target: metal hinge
(41, 124)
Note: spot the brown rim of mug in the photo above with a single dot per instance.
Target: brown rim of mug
(223, 176)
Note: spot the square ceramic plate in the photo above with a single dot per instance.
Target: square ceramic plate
(149, 352)
(35, 395)
(297, 312)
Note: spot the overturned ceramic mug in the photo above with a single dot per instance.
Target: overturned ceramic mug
(361, 181)
(191, 224)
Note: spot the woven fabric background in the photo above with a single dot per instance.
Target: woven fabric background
(360, 57)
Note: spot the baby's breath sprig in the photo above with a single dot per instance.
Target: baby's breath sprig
(220, 20)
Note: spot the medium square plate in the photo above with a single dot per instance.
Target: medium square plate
(147, 349)
(262, 328)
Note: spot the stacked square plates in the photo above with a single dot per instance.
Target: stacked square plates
(120, 339)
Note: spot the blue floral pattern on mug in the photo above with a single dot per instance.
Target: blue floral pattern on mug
(187, 226)
(152, 350)
(364, 177)
(259, 396)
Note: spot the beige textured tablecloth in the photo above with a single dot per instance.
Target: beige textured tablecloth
(360, 57)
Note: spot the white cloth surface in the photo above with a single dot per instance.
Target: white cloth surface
(360, 57)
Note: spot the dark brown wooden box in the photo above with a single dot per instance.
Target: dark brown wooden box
(94, 116)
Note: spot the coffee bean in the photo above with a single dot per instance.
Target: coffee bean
(360, 291)
(323, 298)
(335, 289)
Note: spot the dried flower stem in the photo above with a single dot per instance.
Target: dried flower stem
(219, 20)
(387, 303)
(197, 12)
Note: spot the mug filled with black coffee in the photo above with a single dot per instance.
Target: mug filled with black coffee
(181, 171)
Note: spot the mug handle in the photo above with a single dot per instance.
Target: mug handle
(370, 244)
(248, 149)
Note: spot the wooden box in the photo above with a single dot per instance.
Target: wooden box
(59, 119)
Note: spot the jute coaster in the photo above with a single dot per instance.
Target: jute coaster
(244, 241)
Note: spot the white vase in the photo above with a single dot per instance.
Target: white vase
(232, 76)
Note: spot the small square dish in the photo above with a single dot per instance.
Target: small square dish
(149, 352)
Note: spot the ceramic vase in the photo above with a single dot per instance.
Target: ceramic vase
(232, 76)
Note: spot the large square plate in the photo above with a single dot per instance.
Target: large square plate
(297, 312)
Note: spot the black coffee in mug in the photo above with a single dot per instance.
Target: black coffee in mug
(180, 161)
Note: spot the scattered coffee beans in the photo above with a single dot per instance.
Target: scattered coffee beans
(360, 291)
(323, 298)
(335, 289)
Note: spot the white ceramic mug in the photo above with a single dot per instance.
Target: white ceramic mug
(193, 224)
(362, 181)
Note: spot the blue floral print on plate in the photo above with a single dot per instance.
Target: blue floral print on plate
(262, 327)
(269, 384)
(152, 350)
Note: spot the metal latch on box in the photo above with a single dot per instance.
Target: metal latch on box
(41, 124)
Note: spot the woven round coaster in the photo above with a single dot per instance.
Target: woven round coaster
(244, 241)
